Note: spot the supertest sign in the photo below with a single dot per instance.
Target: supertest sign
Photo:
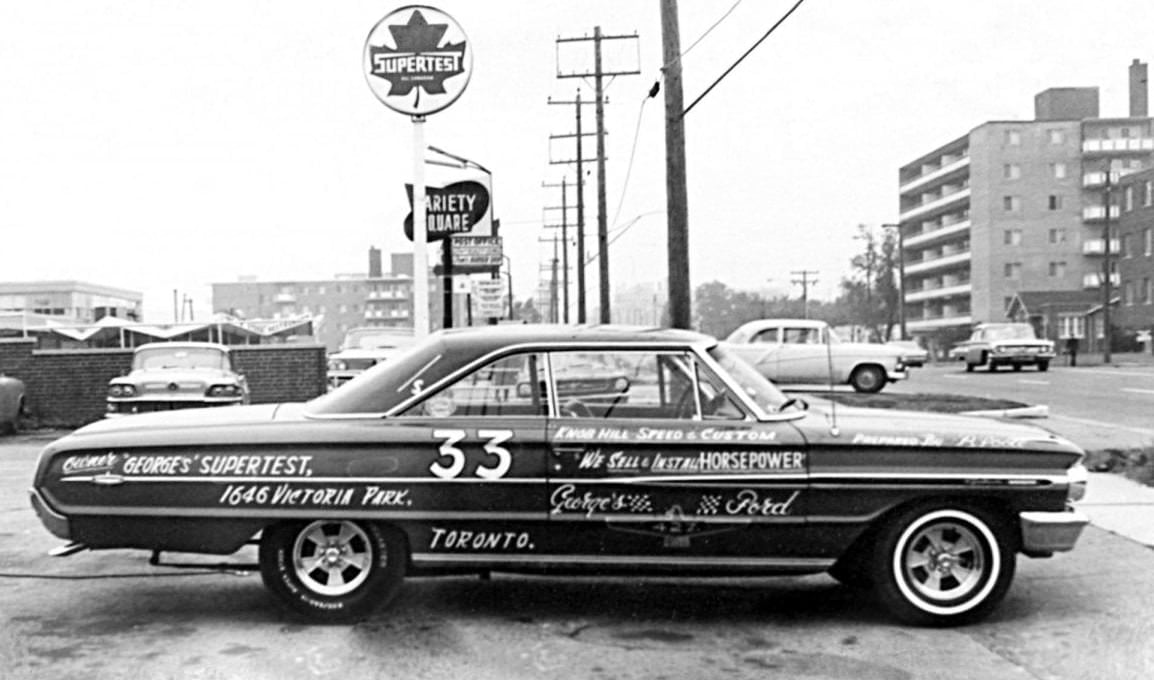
(459, 208)
(417, 60)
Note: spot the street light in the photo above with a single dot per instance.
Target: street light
(901, 279)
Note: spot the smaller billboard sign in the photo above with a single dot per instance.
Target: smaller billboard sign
(458, 208)
(476, 252)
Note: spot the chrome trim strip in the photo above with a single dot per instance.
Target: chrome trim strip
(734, 478)
(662, 560)
(316, 480)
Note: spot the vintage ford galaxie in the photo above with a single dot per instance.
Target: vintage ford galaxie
(437, 463)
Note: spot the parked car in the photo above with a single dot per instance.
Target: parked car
(1004, 344)
(804, 351)
(913, 354)
(364, 348)
(176, 375)
(11, 403)
(416, 468)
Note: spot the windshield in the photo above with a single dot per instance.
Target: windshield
(1012, 332)
(183, 358)
(755, 386)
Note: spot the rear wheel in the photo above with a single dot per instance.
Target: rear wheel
(868, 378)
(943, 565)
(332, 571)
(1043, 366)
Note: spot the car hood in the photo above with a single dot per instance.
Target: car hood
(926, 431)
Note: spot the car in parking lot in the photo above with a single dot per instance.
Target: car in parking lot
(430, 464)
(176, 375)
(364, 348)
(913, 354)
(11, 403)
(1004, 344)
(807, 351)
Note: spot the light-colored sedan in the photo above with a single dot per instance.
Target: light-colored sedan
(167, 376)
(805, 351)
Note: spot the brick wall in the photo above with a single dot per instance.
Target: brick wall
(66, 388)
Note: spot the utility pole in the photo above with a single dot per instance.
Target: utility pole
(552, 269)
(580, 161)
(676, 201)
(598, 73)
(808, 278)
(564, 226)
(1106, 272)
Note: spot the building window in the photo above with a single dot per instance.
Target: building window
(1013, 270)
(1054, 202)
(1012, 237)
(1011, 171)
(1128, 197)
(1058, 269)
(1147, 241)
(320, 290)
(1144, 292)
(1057, 236)
(1011, 203)
(1148, 193)
(1126, 252)
(1013, 138)
(1128, 293)
(1058, 170)
(1057, 136)
(1071, 326)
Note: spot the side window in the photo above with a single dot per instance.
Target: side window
(803, 336)
(768, 336)
(639, 384)
(506, 387)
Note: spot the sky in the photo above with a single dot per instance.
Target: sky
(167, 145)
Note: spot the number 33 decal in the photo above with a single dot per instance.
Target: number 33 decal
(456, 456)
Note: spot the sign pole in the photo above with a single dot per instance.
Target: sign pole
(420, 234)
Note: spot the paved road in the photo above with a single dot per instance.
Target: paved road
(108, 615)
(1114, 397)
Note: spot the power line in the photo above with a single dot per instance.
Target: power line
(710, 29)
(742, 58)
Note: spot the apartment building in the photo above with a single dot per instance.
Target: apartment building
(345, 301)
(1014, 212)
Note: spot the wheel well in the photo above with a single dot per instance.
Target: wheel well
(999, 510)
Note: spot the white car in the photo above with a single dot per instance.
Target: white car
(364, 348)
(175, 375)
(804, 351)
(1005, 344)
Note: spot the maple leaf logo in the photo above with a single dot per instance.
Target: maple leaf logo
(419, 61)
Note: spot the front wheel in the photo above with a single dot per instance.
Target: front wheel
(943, 565)
(332, 571)
(867, 379)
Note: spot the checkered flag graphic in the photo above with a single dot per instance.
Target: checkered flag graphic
(708, 505)
(640, 503)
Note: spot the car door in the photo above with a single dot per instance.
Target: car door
(477, 461)
(675, 473)
(803, 357)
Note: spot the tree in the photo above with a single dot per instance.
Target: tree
(872, 290)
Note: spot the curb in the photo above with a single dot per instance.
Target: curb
(1040, 411)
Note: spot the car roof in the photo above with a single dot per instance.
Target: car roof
(184, 344)
(484, 339)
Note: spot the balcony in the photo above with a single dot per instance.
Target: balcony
(924, 266)
(285, 299)
(1096, 246)
(939, 233)
(1098, 179)
(934, 293)
(926, 208)
(1127, 144)
(929, 324)
(928, 177)
(1093, 280)
(1092, 213)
